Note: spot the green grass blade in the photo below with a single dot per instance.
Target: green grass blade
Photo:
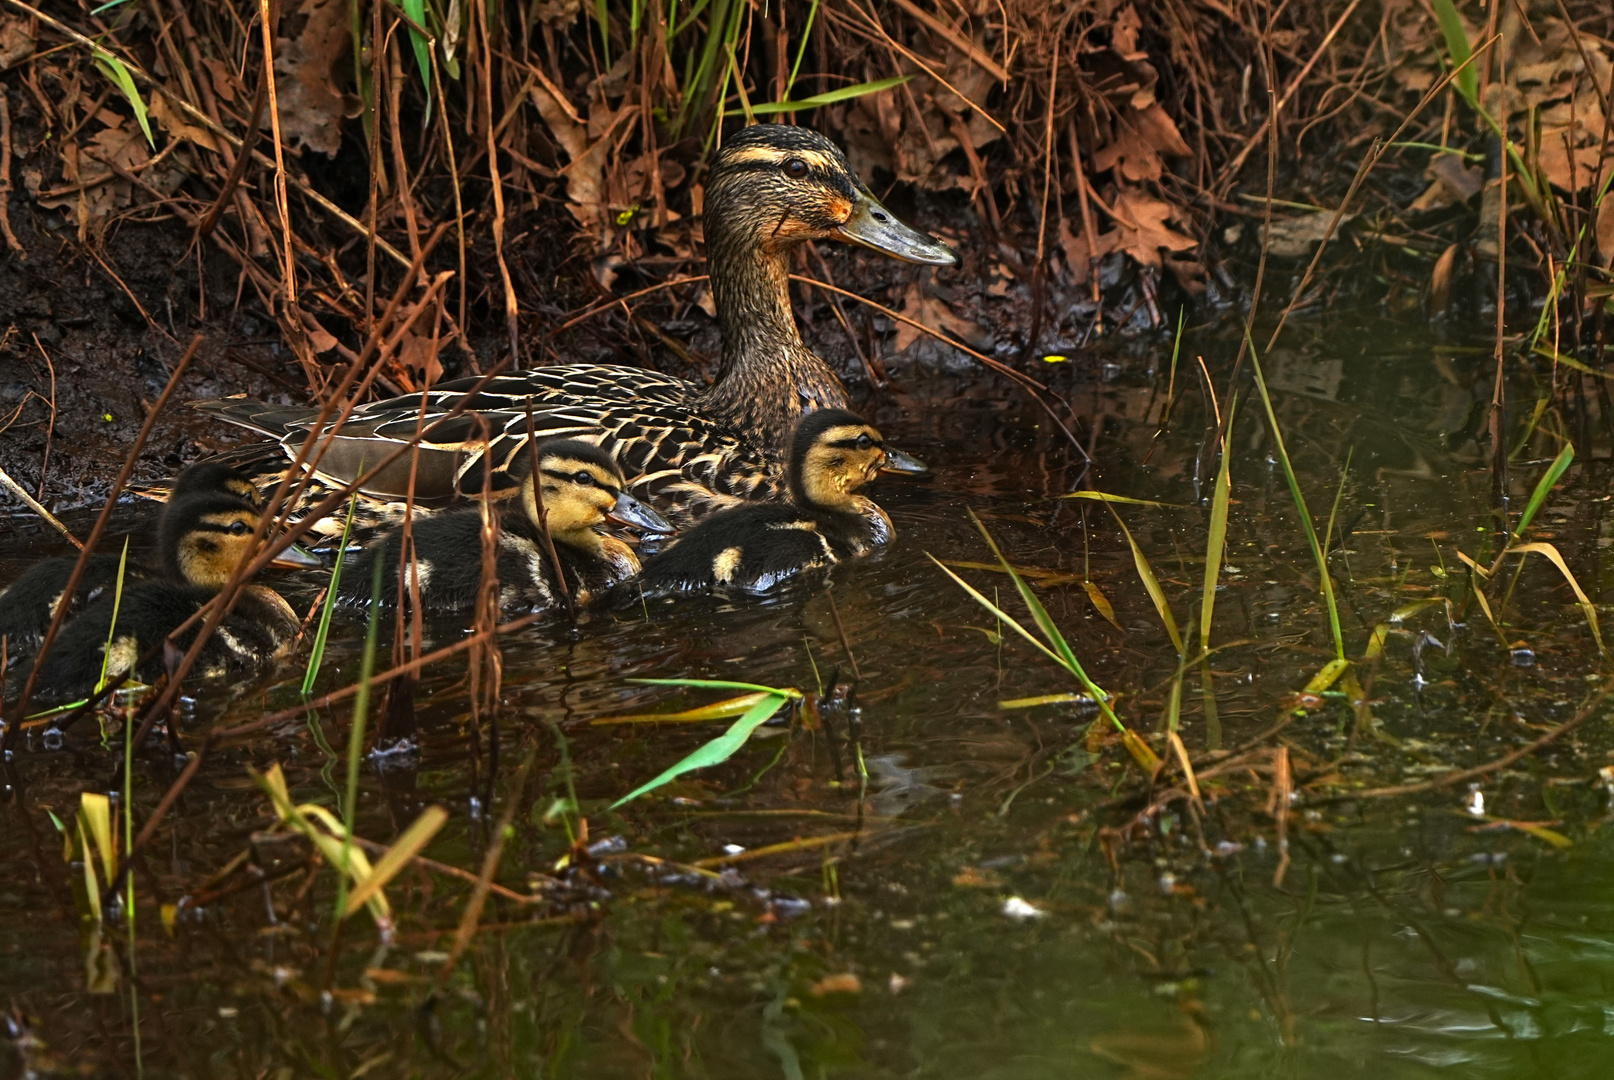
(844, 93)
(1151, 585)
(416, 10)
(1002, 616)
(112, 630)
(801, 48)
(715, 752)
(1544, 487)
(1045, 623)
(1216, 537)
(114, 69)
(1326, 582)
(355, 735)
(1451, 28)
(316, 655)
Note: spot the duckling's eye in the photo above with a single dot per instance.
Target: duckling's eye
(795, 168)
(584, 479)
(864, 442)
(239, 528)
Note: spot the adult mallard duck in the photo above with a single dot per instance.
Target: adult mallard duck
(690, 449)
(578, 489)
(757, 547)
(202, 538)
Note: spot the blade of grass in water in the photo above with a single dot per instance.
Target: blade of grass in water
(1216, 535)
(1326, 583)
(112, 630)
(719, 749)
(355, 738)
(316, 655)
(1544, 486)
(1060, 652)
(1215, 551)
(1151, 585)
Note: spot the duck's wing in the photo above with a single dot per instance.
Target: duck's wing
(671, 455)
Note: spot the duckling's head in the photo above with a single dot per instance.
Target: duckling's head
(773, 186)
(214, 478)
(833, 453)
(204, 537)
(582, 488)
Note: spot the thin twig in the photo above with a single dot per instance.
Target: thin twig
(34, 505)
(5, 177)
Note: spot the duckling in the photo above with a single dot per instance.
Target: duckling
(202, 538)
(29, 603)
(759, 546)
(581, 489)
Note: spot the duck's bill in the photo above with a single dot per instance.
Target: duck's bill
(630, 511)
(873, 226)
(898, 462)
(296, 558)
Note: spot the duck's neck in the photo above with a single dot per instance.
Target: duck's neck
(768, 376)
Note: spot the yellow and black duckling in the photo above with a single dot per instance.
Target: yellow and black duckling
(578, 489)
(28, 604)
(203, 536)
(689, 448)
(759, 546)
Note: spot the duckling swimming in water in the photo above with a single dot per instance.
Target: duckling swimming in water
(28, 604)
(202, 538)
(757, 547)
(580, 487)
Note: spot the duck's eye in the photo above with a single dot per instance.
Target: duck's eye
(239, 528)
(795, 168)
(584, 479)
(864, 442)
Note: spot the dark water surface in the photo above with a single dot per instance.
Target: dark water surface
(987, 902)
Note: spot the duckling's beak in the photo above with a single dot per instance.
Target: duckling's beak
(630, 511)
(296, 558)
(873, 226)
(898, 462)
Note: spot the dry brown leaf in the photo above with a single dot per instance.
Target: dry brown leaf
(317, 45)
(1141, 137)
(177, 126)
(1572, 142)
(1605, 229)
(932, 312)
(1078, 257)
(1453, 182)
(1440, 280)
(16, 39)
(1142, 228)
(585, 174)
(418, 354)
(222, 78)
(102, 192)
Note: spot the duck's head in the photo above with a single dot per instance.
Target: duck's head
(582, 488)
(204, 536)
(214, 478)
(773, 186)
(835, 452)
